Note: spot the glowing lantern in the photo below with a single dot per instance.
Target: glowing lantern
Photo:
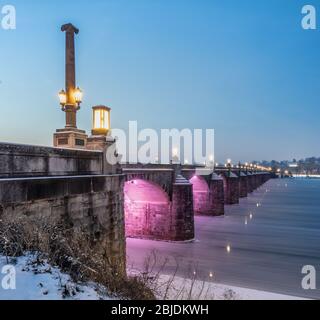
(78, 95)
(101, 120)
(63, 98)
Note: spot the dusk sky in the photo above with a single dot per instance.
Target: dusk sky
(246, 69)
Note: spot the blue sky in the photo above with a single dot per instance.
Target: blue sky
(246, 69)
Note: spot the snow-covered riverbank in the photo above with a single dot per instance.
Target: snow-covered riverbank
(34, 281)
(184, 289)
(41, 281)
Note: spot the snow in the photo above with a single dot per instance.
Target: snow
(187, 289)
(45, 282)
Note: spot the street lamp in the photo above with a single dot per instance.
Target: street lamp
(101, 120)
(63, 98)
(240, 168)
(78, 95)
(70, 98)
(229, 166)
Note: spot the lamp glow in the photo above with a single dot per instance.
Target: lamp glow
(101, 120)
(63, 97)
(78, 95)
(175, 152)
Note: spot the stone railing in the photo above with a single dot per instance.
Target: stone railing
(18, 160)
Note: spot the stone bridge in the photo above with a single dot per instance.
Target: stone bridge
(160, 198)
(146, 201)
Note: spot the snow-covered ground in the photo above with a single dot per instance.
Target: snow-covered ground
(185, 289)
(35, 281)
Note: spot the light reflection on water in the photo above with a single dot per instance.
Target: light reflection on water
(266, 252)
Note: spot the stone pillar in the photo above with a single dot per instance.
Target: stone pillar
(182, 215)
(255, 181)
(243, 185)
(71, 110)
(70, 136)
(250, 182)
(231, 188)
(216, 195)
(107, 145)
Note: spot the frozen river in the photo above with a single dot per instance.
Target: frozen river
(261, 243)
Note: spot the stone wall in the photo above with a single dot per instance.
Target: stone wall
(216, 198)
(250, 182)
(151, 214)
(243, 185)
(182, 211)
(164, 177)
(90, 203)
(231, 188)
(33, 161)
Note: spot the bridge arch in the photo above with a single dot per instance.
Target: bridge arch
(147, 209)
(201, 195)
(162, 178)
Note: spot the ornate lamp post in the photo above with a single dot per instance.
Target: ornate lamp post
(70, 98)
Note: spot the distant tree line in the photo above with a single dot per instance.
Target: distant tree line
(303, 166)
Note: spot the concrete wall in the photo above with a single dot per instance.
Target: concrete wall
(34, 161)
(90, 203)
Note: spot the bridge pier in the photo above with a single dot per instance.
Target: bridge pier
(153, 213)
(182, 211)
(231, 187)
(251, 185)
(243, 185)
(216, 198)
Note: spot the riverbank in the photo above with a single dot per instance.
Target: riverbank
(186, 289)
